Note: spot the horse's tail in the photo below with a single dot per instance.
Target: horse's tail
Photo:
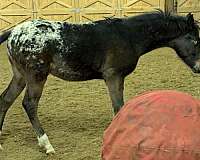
(4, 36)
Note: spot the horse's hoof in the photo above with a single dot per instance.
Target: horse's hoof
(43, 142)
(50, 151)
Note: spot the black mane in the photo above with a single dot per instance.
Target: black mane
(164, 18)
(160, 23)
(156, 23)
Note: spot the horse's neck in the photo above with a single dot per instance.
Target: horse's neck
(161, 38)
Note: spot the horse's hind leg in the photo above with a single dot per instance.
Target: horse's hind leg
(30, 103)
(9, 95)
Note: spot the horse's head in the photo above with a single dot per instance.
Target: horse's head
(187, 46)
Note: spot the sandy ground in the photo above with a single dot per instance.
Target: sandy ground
(75, 114)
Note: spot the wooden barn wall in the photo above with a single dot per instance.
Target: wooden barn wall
(13, 12)
(186, 6)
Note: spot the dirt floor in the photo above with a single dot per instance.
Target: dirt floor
(75, 114)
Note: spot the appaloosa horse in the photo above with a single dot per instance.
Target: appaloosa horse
(107, 49)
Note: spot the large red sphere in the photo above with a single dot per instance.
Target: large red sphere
(158, 125)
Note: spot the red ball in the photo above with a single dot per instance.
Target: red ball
(158, 125)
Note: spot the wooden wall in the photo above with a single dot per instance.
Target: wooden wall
(186, 6)
(13, 12)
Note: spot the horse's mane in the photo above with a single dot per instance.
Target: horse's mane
(143, 17)
(108, 20)
(166, 19)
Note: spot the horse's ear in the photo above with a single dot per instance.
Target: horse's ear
(190, 18)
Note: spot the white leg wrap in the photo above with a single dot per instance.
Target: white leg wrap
(44, 142)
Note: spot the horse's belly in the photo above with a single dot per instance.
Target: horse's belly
(70, 74)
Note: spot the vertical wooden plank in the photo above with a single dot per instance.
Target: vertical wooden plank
(13, 12)
(169, 6)
(77, 10)
(118, 11)
(175, 6)
(34, 9)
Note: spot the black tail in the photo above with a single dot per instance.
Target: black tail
(4, 36)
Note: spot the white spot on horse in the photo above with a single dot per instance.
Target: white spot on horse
(28, 57)
(44, 142)
(34, 57)
(33, 36)
(61, 70)
(41, 61)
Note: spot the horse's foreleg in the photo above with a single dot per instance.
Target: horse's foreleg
(115, 84)
(30, 104)
(7, 98)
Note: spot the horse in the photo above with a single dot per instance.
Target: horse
(106, 49)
